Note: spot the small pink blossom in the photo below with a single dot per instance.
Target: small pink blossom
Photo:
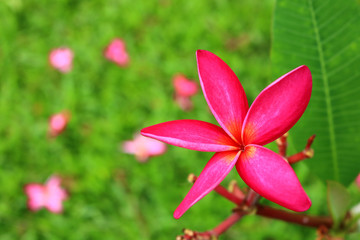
(50, 195)
(357, 181)
(58, 123)
(184, 89)
(243, 132)
(61, 59)
(143, 147)
(116, 52)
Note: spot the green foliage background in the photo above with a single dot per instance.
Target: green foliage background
(112, 195)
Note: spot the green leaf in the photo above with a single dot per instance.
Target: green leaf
(338, 201)
(325, 36)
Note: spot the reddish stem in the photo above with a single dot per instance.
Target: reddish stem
(301, 219)
(226, 194)
(251, 198)
(282, 144)
(308, 152)
(235, 189)
(227, 223)
(220, 190)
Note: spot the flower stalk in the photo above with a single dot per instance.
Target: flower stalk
(308, 152)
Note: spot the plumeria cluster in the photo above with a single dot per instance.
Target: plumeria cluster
(51, 195)
(62, 58)
(238, 142)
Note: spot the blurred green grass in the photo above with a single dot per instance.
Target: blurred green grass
(112, 195)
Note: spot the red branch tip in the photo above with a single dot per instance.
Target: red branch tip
(308, 152)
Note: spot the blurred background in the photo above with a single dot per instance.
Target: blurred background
(111, 194)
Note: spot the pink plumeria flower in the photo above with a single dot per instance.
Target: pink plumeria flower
(50, 195)
(143, 148)
(238, 142)
(61, 59)
(116, 52)
(184, 89)
(58, 123)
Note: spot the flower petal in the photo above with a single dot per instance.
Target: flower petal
(55, 195)
(223, 93)
(36, 196)
(271, 176)
(278, 107)
(191, 134)
(214, 172)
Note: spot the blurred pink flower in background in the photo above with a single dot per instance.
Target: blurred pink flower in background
(58, 123)
(61, 59)
(357, 181)
(143, 147)
(50, 195)
(184, 89)
(116, 52)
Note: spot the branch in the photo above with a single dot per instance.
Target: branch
(301, 219)
(282, 144)
(222, 191)
(308, 152)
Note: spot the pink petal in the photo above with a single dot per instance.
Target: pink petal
(271, 176)
(191, 134)
(278, 107)
(116, 52)
(357, 181)
(36, 196)
(223, 93)
(214, 172)
(154, 147)
(129, 147)
(61, 59)
(54, 205)
(184, 87)
(55, 195)
(53, 184)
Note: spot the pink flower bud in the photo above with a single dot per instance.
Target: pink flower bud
(116, 52)
(143, 148)
(58, 123)
(61, 59)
